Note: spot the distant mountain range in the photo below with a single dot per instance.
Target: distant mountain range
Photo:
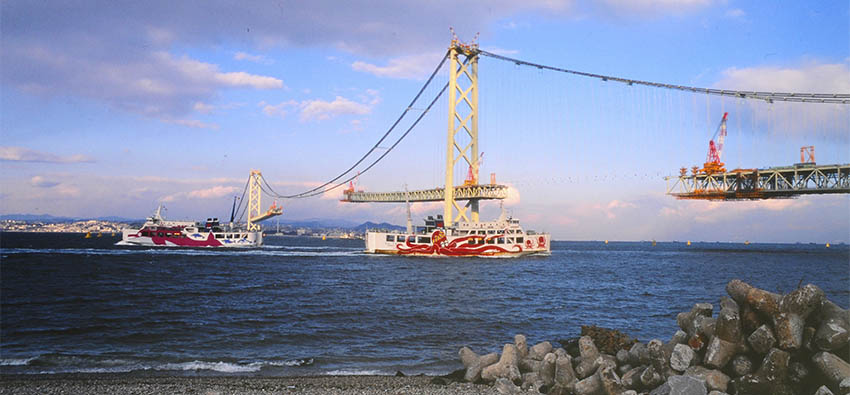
(308, 223)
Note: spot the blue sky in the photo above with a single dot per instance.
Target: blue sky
(109, 108)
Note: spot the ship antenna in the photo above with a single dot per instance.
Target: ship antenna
(407, 202)
(502, 215)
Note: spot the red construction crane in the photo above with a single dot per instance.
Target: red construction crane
(715, 151)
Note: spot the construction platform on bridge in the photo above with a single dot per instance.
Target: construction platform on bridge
(755, 184)
(463, 192)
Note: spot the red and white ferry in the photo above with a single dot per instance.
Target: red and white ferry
(157, 231)
(501, 238)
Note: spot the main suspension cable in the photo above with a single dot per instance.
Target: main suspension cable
(409, 107)
(836, 98)
(419, 118)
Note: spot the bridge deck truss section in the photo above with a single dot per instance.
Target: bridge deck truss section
(755, 184)
(464, 192)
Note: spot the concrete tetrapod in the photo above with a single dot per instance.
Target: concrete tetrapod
(505, 368)
(475, 363)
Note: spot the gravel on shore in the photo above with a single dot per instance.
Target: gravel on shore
(107, 384)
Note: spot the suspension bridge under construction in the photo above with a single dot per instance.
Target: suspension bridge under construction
(462, 202)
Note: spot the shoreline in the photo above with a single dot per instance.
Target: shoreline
(130, 383)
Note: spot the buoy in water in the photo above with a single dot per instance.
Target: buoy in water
(827, 245)
(88, 235)
(323, 237)
(606, 241)
(689, 242)
(653, 243)
(746, 243)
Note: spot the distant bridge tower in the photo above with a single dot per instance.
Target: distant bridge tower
(254, 194)
(255, 191)
(463, 118)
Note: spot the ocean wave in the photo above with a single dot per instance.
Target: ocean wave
(16, 361)
(356, 372)
(57, 363)
(288, 252)
(224, 367)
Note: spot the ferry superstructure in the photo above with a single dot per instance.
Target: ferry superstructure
(501, 238)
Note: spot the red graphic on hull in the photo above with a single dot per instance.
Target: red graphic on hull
(438, 246)
(184, 241)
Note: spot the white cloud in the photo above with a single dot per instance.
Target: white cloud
(208, 193)
(252, 58)
(277, 110)
(155, 84)
(240, 79)
(68, 190)
(21, 154)
(41, 182)
(203, 108)
(416, 66)
(735, 13)
(320, 110)
(192, 123)
(811, 77)
(651, 8)
(502, 51)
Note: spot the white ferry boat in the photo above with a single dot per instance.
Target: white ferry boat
(157, 231)
(501, 238)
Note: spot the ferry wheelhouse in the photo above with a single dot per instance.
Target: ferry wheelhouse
(157, 231)
(501, 238)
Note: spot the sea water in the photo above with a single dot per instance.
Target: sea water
(306, 306)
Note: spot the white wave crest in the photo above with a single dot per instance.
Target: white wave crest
(224, 367)
(356, 372)
(16, 361)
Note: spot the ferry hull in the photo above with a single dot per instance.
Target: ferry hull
(134, 237)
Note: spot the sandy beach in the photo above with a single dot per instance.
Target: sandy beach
(220, 385)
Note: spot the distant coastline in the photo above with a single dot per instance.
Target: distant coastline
(49, 224)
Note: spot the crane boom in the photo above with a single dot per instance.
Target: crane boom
(712, 162)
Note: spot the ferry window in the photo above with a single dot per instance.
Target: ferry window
(425, 240)
(159, 234)
(400, 239)
(219, 236)
(491, 241)
(510, 240)
(501, 240)
(490, 232)
(481, 232)
(390, 238)
(519, 240)
(472, 241)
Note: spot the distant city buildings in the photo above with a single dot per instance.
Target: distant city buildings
(93, 226)
(98, 226)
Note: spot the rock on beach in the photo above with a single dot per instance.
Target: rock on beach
(758, 343)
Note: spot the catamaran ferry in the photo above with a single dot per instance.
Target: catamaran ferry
(501, 238)
(157, 231)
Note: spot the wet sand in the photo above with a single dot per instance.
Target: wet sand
(107, 384)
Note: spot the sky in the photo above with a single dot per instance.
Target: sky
(111, 108)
